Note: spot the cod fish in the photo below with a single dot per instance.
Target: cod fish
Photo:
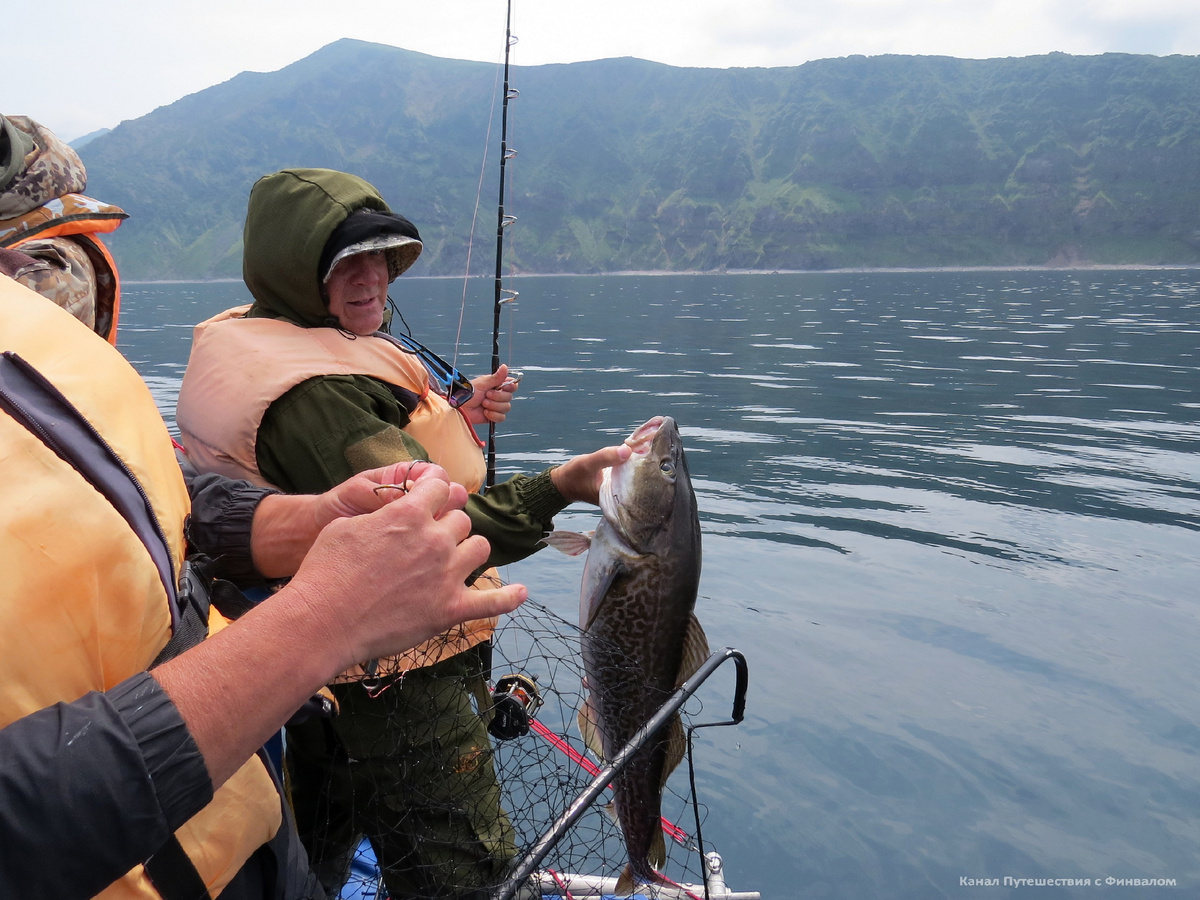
(641, 638)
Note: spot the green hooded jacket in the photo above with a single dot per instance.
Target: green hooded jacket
(328, 428)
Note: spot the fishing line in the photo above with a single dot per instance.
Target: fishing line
(487, 144)
(512, 242)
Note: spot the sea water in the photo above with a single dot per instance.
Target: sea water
(951, 518)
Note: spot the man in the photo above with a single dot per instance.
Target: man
(125, 773)
(303, 389)
(44, 214)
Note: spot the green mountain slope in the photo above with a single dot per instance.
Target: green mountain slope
(625, 164)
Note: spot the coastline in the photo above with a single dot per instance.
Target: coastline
(863, 270)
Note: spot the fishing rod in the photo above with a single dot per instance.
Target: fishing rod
(503, 295)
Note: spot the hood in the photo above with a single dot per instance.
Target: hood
(46, 169)
(289, 219)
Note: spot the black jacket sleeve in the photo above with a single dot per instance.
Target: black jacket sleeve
(219, 525)
(90, 789)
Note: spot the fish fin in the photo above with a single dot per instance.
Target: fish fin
(676, 748)
(625, 883)
(589, 730)
(657, 856)
(596, 582)
(572, 543)
(695, 650)
(611, 809)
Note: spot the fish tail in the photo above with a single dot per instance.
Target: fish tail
(628, 882)
(625, 883)
(645, 872)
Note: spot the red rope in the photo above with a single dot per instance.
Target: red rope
(676, 833)
(562, 884)
(676, 884)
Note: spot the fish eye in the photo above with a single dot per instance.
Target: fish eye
(667, 469)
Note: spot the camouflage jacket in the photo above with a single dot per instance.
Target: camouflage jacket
(44, 213)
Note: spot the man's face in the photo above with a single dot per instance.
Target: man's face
(358, 291)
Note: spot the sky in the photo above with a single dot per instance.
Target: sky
(97, 64)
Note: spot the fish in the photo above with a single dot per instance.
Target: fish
(640, 635)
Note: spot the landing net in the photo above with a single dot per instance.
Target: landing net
(540, 773)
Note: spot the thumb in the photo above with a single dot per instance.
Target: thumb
(497, 377)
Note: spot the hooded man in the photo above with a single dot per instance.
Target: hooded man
(297, 391)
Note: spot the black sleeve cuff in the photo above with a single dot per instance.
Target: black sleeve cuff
(173, 761)
(220, 522)
(89, 789)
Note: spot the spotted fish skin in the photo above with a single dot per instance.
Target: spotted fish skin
(640, 635)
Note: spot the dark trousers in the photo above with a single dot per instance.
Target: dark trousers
(410, 768)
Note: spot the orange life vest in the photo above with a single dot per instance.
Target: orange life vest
(239, 366)
(83, 605)
(84, 219)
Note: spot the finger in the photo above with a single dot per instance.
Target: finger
(399, 473)
(496, 412)
(421, 470)
(486, 383)
(406, 475)
(495, 601)
(618, 454)
(453, 499)
(428, 494)
(472, 551)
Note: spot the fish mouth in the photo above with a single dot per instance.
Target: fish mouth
(643, 437)
(641, 442)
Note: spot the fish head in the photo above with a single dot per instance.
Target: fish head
(649, 496)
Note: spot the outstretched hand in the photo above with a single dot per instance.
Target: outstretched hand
(579, 479)
(493, 397)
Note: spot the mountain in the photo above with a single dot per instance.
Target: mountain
(81, 142)
(631, 165)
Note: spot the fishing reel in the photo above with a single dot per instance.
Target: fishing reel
(514, 701)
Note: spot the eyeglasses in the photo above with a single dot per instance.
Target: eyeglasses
(446, 380)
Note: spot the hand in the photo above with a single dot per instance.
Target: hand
(285, 525)
(493, 397)
(578, 480)
(371, 490)
(374, 584)
(383, 582)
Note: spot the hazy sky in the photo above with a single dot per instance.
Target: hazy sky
(95, 64)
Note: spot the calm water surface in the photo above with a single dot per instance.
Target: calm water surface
(951, 518)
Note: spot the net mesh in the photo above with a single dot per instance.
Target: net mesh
(540, 773)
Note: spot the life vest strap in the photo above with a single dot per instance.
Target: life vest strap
(173, 874)
(30, 399)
